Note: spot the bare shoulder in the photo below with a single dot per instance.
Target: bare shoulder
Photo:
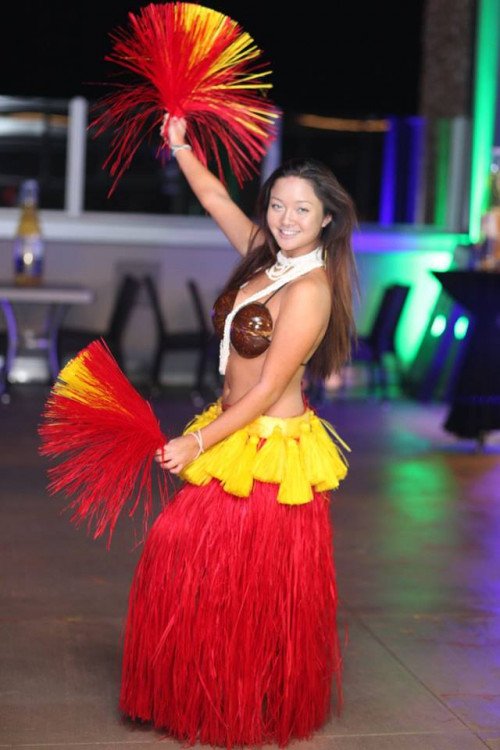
(309, 290)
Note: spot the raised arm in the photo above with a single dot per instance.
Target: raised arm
(211, 193)
(300, 326)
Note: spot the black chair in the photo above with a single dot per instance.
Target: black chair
(380, 341)
(71, 340)
(200, 340)
(209, 362)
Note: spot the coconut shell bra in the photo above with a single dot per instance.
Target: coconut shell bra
(251, 328)
(248, 325)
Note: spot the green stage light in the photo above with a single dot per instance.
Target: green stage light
(461, 326)
(438, 326)
(484, 110)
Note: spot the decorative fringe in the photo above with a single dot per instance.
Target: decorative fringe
(271, 458)
(316, 463)
(192, 62)
(231, 637)
(295, 485)
(240, 480)
(327, 450)
(109, 436)
(297, 454)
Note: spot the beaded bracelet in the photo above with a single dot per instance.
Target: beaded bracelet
(174, 149)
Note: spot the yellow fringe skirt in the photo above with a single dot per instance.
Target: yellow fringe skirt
(300, 454)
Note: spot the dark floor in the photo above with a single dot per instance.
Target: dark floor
(418, 557)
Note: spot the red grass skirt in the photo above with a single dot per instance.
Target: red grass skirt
(231, 636)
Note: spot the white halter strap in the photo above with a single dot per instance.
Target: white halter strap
(314, 260)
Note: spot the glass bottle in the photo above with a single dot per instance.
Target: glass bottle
(28, 242)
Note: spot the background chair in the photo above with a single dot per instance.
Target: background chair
(71, 340)
(210, 360)
(380, 340)
(200, 340)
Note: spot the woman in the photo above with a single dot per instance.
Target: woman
(231, 635)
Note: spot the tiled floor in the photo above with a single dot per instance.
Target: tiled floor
(418, 557)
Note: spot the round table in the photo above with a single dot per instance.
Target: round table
(475, 402)
(56, 299)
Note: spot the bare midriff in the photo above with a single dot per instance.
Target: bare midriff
(243, 374)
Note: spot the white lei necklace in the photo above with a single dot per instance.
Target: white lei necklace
(284, 265)
(284, 270)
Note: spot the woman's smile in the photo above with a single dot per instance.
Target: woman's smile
(295, 216)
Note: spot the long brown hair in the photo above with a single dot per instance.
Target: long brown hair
(336, 238)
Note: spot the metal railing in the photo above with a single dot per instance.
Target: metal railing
(398, 170)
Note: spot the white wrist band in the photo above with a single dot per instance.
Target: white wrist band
(174, 149)
(197, 436)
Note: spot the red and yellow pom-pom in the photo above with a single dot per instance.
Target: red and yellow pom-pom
(191, 62)
(108, 436)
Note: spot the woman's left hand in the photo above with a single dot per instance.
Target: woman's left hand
(177, 453)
